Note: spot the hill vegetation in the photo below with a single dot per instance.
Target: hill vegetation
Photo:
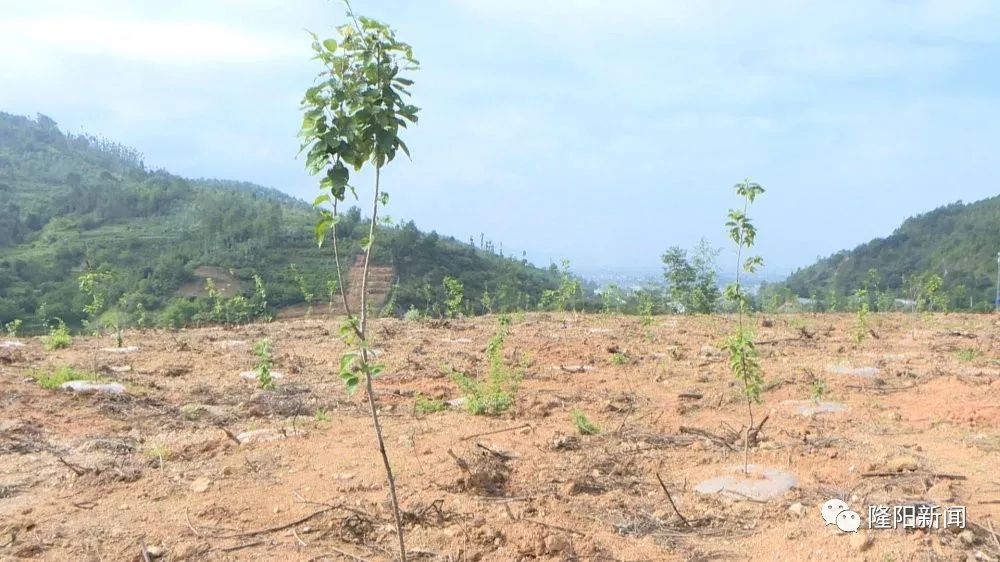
(952, 248)
(72, 205)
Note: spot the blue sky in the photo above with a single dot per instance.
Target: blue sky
(602, 132)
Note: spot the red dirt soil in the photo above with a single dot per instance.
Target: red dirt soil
(89, 477)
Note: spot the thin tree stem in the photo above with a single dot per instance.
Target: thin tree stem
(743, 368)
(368, 377)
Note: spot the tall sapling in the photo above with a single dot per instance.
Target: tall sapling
(352, 116)
(744, 361)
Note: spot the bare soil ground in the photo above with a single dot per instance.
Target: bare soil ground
(194, 463)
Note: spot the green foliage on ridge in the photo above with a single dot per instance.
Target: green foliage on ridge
(957, 243)
(72, 204)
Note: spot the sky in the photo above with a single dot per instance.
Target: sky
(602, 132)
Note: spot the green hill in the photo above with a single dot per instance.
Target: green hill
(957, 242)
(70, 204)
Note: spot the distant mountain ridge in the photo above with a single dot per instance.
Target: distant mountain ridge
(70, 204)
(958, 242)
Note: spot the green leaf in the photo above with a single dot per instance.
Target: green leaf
(338, 176)
(350, 384)
(346, 362)
(330, 44)
(321, 199)
(322, 227)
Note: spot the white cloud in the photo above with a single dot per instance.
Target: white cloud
(179, 42)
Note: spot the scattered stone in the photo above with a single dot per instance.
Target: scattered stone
(252, 375)
(10, 344)
(193, 411)
(565, 442)
(967, 537)
(762, 484)
(129, 349)
(709, 351)
(555, 544)
(268, 434)
(940, 492)
(459, 402)
(860, 541)
(797, 509)
(201, 485)
(570, 488)
(92, 386)
(866, 372)
(905, 463)
(811, 408)
(892, 416)
(155, 551)
(175, 370)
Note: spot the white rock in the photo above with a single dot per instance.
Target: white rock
(130, 349)
(252, 375)
(10, 344)
(201, 485)
(797, 509)
(865, 372)
(763, 484)
(91, 386)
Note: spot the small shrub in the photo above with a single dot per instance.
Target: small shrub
(967, 355)
(619, 358)
(495, 395)
(413, 315)
(861, 324)
(12, 327)
(817, 390)
(428, 405)
(159, 452)
(58, 337)
(321, 415)
(455, 291)
(53, 380)
(262, 349)
(584, 425)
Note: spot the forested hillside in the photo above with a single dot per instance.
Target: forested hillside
(71, 205)
(956, 244)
